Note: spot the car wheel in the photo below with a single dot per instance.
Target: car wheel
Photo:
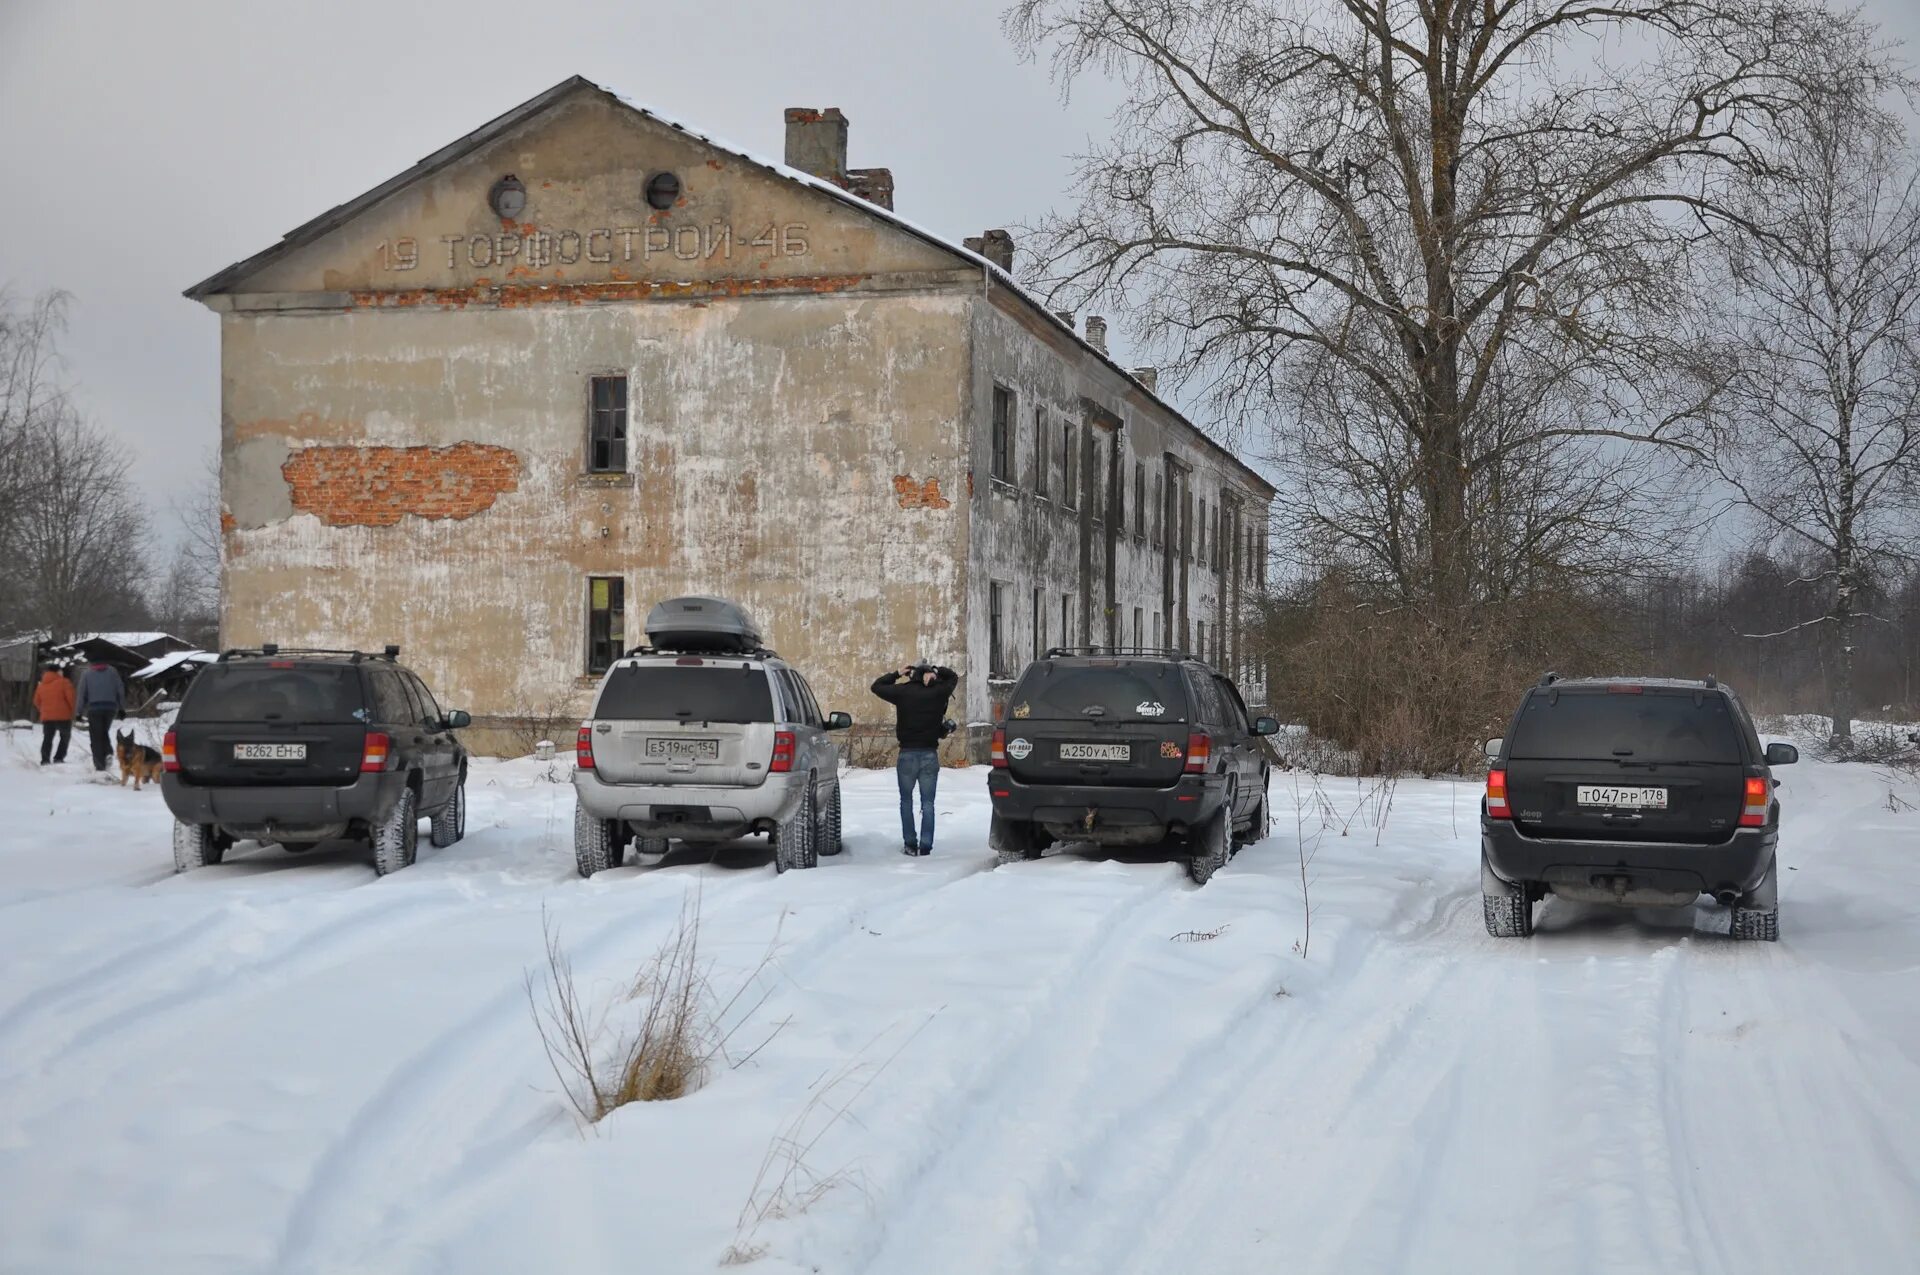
(396, 842)
(196, 845)
(1508, 916)
(451, 823)
(1756, 918)
(597, 844)
(1013, 840)
(795, 842)
(830, 825)
(1211, 844)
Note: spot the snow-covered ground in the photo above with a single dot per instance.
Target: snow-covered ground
(285, 1064)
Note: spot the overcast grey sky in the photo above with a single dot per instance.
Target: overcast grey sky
(157, 142)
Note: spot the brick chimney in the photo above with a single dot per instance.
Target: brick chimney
(1149, 378)
(1066, 317)
(997, 247)
(1097, 332)
(817, 142)
(875, 185)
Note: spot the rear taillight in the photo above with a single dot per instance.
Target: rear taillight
(583, 748)
(1497, 807)
(1753, 813)
(782, 762)
(1199, 752)
(999, 755)
(169, 756)
(373, 757)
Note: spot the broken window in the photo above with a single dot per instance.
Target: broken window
(1139, 500)
(1042, 460)
(1159, 506)
(1003, 433)
(1039, 623)
(997, 630)
(1066, 619)
(1200, 549)
(1068, 470)
(606, 621)
(607, 431)
(1139, 634)
(1093, 475)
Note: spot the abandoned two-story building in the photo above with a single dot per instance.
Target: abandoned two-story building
(583, 359)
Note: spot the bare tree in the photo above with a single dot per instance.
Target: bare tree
(30, 393)
(187, 602)
(1455, 233)
(1821, 431)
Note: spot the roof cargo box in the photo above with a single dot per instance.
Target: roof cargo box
(702, 624)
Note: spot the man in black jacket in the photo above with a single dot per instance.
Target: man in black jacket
(919, 695)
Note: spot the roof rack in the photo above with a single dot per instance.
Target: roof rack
(757, 653)
(268, 650)
(1162, 652)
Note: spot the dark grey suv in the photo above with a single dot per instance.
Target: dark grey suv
(1128, 747)
(299, 747)
(1640, 792)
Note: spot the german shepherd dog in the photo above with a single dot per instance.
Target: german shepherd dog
(137, 761)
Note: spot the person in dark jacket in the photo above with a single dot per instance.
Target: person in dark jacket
(53, 704)
(102, 696)
(919, 695)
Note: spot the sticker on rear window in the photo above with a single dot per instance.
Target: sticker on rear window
(1023, 710)
(1018, 749)
(1149, 708)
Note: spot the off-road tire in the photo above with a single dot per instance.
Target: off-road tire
(450, 824)
(396, 842)
(1508, 916)
(1013, 840)
(1257, 826)
(1212, 846)
(830, 826)
(597, 844)
(196, 845)
(796, 843)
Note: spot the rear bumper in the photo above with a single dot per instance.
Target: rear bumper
(689, 812)
(286, 814)
(1109, 815)
(1628, 871)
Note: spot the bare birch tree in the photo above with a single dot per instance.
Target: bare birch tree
(1445, 239)
(1820, 434)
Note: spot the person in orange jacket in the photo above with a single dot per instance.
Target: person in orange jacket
(53, 704)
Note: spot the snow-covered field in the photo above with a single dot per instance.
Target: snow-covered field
(285, 1064)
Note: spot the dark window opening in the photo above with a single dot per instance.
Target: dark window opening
(1139, 500)
(1003, 434)
(996, 630)
(1042, 461)
(607, 432)
(663, 190)
(1039, 623)
(1068, 470)
(606, 621)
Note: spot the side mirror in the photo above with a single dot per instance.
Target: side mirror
(838, 721)
(1782, 754)
(1493, 748)
(1265, 726)
(459, 717)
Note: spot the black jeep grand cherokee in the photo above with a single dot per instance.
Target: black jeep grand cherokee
(306, 746)
(1643, 793)
(1128, 747)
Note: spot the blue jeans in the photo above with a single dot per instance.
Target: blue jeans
(917, 767)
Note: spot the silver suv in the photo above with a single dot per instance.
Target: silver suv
(705, 737)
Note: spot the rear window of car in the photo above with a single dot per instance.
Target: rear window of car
(257, 693)
(1120, 691)
(711, 693)
(1582, 726)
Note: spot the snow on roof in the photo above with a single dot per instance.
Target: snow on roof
(129, 640)
(167, 663)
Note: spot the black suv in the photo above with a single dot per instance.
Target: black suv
(1128, 747)
(304, 746)
(1644, 793)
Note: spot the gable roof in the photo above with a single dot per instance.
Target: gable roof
(340, 214)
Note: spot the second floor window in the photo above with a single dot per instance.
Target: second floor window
(607, 431)
(1139, 500)
(1068, 470)
(1003, 434)
(1042, 459)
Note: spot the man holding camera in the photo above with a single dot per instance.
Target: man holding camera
(919, 695)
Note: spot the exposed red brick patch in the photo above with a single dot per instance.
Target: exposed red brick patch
(377, 486)
(915, 495)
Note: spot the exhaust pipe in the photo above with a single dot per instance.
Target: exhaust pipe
(1726, 898)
